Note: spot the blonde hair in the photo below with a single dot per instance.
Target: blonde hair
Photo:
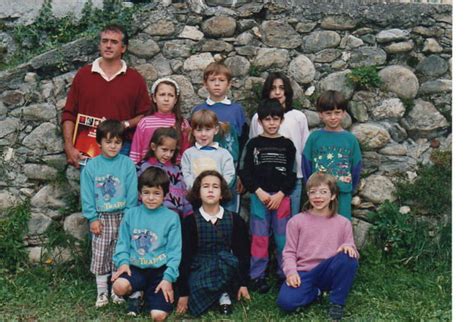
(203, 119)
(318, 179)
(217, 68)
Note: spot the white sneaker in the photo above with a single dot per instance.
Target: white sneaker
(117, 299)
(225, 299)
(102, 300)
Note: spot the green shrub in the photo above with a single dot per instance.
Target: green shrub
(408, 103)
(431, 190)
(13, 229)
(407, 239)
(59, 245)
(254, 71)
(364, 77)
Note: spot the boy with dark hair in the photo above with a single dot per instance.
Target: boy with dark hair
(334, 150)
(148, 251)
(107, 189)
(268, 174)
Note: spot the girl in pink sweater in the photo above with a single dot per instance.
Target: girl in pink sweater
(319, 254)
(165, 94)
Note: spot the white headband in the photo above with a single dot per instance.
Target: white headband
(161, 80)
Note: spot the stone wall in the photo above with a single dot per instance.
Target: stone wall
(316, 43)
(25, 11)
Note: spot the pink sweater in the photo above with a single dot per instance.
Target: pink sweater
(144, 132)
(310, 239)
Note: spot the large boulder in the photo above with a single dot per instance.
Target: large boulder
(399, 80)
(76, 225)
(280, 34)
(424, 120)
(219, 26)
(271, 57)
(319, 40)
(301, 69)
(371, 136)
(337, 81)
(377, 189)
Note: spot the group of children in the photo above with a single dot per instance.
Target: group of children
(182, 226)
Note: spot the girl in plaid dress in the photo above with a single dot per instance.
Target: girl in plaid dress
(215, 256)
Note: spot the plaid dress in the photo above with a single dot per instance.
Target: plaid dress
(214, 268)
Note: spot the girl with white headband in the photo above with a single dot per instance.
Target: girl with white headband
(165, 95)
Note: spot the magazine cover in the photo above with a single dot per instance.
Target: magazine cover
(84, 136)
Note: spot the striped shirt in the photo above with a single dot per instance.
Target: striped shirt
(145, 129)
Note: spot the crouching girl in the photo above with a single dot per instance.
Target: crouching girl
(319, 254)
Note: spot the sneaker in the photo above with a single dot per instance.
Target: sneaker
(260, 285)
(117, 299)
(133, 306)
(102, 300)
(336, 311)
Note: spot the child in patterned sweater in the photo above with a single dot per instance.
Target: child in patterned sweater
(334, 150)
(108, 187)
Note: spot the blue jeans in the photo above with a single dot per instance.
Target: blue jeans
(335, 274)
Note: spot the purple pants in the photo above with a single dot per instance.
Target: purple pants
(335, 274)
(264, 222)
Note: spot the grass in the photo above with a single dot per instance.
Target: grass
(383, 290)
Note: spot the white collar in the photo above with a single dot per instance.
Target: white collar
(225, 101)
(96, 69)
(214, 145)
(212, 218)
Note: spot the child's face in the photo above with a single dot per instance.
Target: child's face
(110, 146)
(217, 86)
(165, 98)
(320, 197)
(205, 135)
(210, 191)
(165, 151)
(332, 119)
(278, 91)
(152, 197)
(271, 125)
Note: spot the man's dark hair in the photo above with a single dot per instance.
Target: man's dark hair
(267, 88)
(116, 28)
(270, 107)
(331, 100)
(154, 177)
(111, 129)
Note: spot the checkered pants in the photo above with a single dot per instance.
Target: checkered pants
(103, 246)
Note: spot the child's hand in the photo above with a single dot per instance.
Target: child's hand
(263, 196)
(182, 306)
(122, 269)
(293, 280)
(243, 292)
(349, 250)
(275, 200)
(96, 227)
(167, 290)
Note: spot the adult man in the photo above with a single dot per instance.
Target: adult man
(106, 89)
